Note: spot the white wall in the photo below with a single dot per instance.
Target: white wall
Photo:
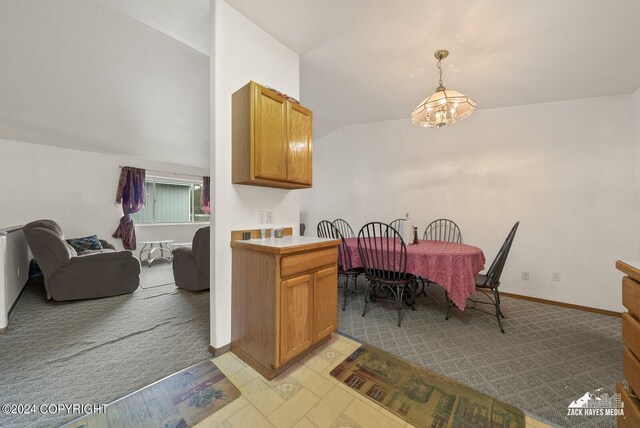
(4, 305)
(241, 52)
(75, 188)
(566, 170)
(14, 269)
(636, 117)
(79, 74)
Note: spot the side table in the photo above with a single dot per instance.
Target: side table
(150, 248)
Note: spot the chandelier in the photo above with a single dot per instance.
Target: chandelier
(444, 107)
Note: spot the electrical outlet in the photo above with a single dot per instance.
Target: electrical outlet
(262, 216)
(269, 217)
(525, 276)
(555, 276)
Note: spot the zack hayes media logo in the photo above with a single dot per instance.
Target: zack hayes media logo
(597, 405)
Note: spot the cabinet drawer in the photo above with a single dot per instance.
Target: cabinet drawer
(631, 333)
(631, 369)
(631, 418)
(305, 262)
(631, 296)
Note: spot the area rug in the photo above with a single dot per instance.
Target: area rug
(178, 401)
(420, 396)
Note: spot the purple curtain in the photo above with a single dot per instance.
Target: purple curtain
(132, 194)
(205, 198)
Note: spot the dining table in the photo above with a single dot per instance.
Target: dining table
(451, 265)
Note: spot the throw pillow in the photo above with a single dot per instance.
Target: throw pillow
(87, 243)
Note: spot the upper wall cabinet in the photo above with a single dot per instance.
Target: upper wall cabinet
(272, 144)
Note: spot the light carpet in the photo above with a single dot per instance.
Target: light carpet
(548, 357)
(96, 351)
(160, 273)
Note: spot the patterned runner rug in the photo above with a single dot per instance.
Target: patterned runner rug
(178, 401)
(420, 396)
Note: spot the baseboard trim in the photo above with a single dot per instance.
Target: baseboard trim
(24, 287)
(216, 352)
(3, 330)
(562, 304)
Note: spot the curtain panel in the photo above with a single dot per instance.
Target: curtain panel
(132, 194)
(205, 198)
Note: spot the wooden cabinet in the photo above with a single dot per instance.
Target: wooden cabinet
(631, 417)
(270, 135)
(631, 338)
(299, 152)
(308, 311)
(271, 138)
(284, 299)
(296, 316)
(325, 315)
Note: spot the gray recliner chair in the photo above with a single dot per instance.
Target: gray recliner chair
(69, 276)
(191, 265)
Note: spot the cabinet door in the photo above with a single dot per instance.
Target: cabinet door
(270, 135)
(296, 316)
(299, 124)
(325, 301)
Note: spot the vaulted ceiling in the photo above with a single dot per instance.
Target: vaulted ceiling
(112, 76)
(186, 21)
(131, 76)
(371, 60)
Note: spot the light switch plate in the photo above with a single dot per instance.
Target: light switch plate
(269, 217)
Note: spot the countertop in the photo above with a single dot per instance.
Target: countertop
(631, 268)
(286, 244)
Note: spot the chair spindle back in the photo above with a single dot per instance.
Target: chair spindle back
(382, 252)
(443, 229)
(344, 228)
(495, 271)
(326, 229)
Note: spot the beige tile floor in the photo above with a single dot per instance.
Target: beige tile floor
(303, 396)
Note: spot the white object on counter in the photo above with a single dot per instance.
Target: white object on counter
(406, 231)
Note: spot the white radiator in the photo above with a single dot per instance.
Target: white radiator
(14, 270)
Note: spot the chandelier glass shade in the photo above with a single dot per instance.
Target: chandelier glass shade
(444, 107)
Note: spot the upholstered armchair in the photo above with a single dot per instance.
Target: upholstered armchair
(69, 276)
(191, 265)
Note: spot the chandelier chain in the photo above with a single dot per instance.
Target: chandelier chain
(440, 70)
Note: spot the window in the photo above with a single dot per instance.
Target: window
(172, 201)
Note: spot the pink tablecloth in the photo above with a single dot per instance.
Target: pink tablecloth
(450, 265)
